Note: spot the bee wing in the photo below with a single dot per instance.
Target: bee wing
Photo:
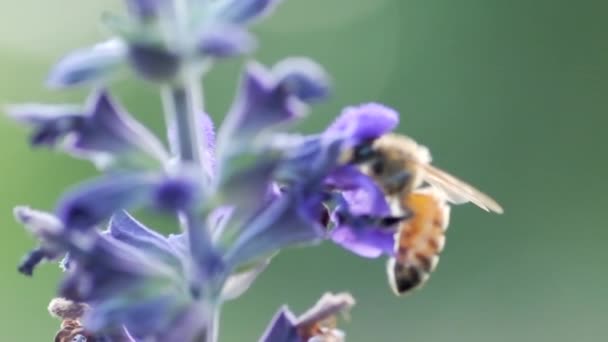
(458, 191)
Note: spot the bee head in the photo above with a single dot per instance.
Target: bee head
(390, 160)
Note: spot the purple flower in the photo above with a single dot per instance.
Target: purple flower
(268, 98)
(310, 326)
(223, 41)
(100, 132)
(47, 229)
(92, 202)
(153, 61)
(129, 276)
(283, 222)
(309, 167)
(123, 227)
(216, 29)
(91, 65)
(141, 289)
(327, 154)
(224, 34)
(363, 123)
(367, 241)
(362, 220)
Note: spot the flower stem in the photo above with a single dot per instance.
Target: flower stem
(183, 110)
(183, 102)
(184, 136)
(213, 324)
(183, 114)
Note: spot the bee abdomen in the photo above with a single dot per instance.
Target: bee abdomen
(418, 243)
(410, 269)
(405, 278)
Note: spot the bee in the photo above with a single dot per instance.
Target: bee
(420, 193)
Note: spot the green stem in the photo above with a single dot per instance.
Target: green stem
(184, 137)
(184, 114)
(184, 111)
(213, 324)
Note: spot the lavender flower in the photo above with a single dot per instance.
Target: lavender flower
(162, 38)
(240, 197)
(101, 132)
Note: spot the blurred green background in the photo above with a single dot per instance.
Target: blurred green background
(511, 95)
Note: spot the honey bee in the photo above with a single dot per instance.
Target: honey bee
(401, 167)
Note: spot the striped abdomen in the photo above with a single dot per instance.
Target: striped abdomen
(418, 241)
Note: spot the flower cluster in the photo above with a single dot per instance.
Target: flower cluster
(240, 193)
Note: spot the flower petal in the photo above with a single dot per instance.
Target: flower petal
(308, 160)
(96, 200)
(287, 221)
(109, 128)
(153, 61)
(282, 328)
(41, 224)
(88, 65)
(50, 122)
(364, 122)
(365, 242)
(48, 229)
(125, 228)
(225, 41)
(243, 11)
(218, 219)
(142, 318)
(271, 97)
(124, 286)
(240, 282)
(303, 78)
(361, 193)
(244, 188)
(107, 269)
(364, 224)
(32, 259)
(101, 132)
